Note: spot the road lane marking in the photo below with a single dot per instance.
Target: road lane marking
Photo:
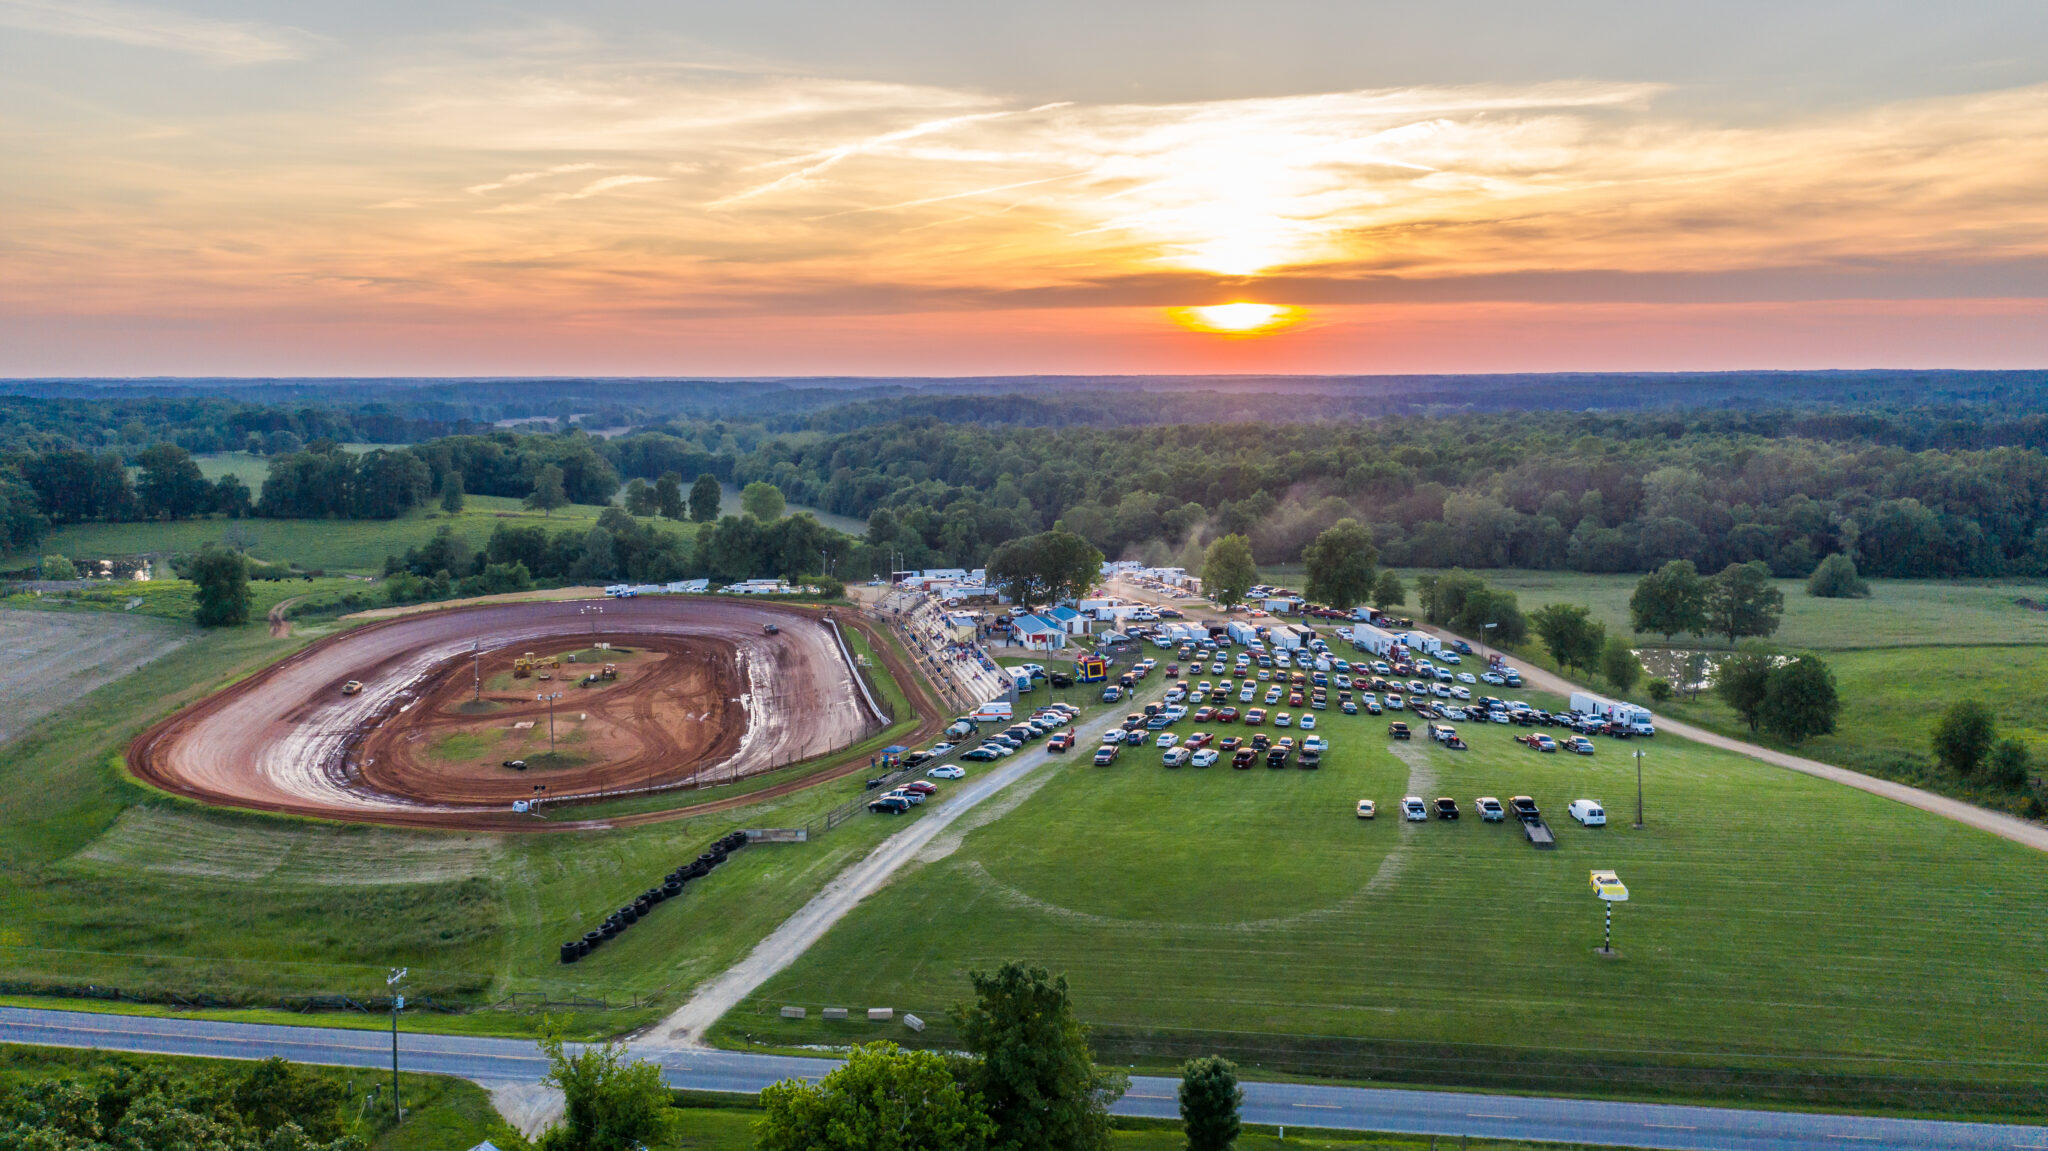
(1672, 1126)
(1488, 1115)
(1319, 1106)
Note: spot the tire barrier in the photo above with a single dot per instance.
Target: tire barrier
(670, 886)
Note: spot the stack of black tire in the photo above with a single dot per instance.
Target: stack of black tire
(671, 886)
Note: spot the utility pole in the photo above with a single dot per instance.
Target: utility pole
(476, 667)
(1639, 789)
(397, 1002)
(549, 699)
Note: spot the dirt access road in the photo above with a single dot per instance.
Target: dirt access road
(284, 739)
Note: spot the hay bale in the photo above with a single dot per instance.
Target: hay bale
(794, 1013)
(835, 1013)
(881, 1014)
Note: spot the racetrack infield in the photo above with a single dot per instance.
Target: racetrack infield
(703, 696)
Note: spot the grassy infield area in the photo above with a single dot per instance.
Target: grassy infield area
(1788, 942)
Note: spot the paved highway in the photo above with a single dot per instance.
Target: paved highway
(1349, 1108)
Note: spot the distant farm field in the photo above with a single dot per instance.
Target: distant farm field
(1779, 927)
(331, 545)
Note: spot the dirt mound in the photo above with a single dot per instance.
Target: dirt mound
(703, 694)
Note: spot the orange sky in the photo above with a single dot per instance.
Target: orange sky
(502, 208)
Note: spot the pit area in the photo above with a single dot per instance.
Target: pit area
(653, 694)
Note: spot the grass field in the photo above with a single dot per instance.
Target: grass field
(441, 1112)
(1899, 613)
(357, 546)
(1787, 938)
(112, 885)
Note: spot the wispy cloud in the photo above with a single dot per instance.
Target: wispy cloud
(785, 194)
(224, 41)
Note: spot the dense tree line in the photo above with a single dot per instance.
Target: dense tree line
(1597, 492)
(1576, 491)
(271, 1106)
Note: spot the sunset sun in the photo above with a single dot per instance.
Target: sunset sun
(1237, 319)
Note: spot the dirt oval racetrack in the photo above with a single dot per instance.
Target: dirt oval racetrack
(703, 695)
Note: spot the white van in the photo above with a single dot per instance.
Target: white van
(1588, 812)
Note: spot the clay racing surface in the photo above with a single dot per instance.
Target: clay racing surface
(702, 695)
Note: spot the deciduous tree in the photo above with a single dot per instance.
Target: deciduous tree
(668, 496)
(451, 493)
(608, 1104)
(704, 498)
(881, 1099)
(1670, 600)
(222, 576)
(1619, 665)
(1389, 592)
(1963, 736)
(1569, 633)
(1743, 681)
(1228, 571)
(763, 501)
(1033, 1069)
(1741, 601)
(1836, 578)
(1799, 700)
(548, 493)
(1342, 564)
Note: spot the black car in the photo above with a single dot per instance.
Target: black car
(1398, 730)
(1446, 807)
(875, 783)
(889, 805)
(1524, 809)
(1061, 680)
(1277, 757)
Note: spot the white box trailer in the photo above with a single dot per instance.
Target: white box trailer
(1422, 642)
(1241, 632)
(1586, 703)
(1375, 640)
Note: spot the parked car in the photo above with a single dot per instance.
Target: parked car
(1226, 715)
(1277, 757)
(1229, 744)
(1106, 754)
(1588, 812)
(1166, 739)
(1283, 719)
(889, 805)
(1490, 809)
(1244, 758)
(1413, 809)
(981, 754)
(1255, 717)
(947, 771)
(1060, 742)
(1579, 744)
(1393, 702)
(1308, 723)
(1206, 757)
(913, 796)
(1398, 730)
(1446, 807)
(1366, 810)
(1175, 757)
(921, 787)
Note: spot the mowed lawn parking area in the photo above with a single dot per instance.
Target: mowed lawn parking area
(1778, 923)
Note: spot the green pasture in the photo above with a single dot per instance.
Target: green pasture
(113, 885)
(1785, 935)
(1898, 613)
(357, 546)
